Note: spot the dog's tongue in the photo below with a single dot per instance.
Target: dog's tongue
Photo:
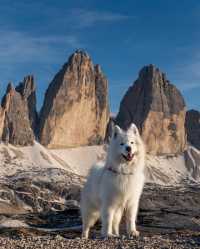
(130, 156)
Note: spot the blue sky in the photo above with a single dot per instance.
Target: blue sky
(37, 37)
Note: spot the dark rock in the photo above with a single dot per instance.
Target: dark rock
(109, 129)
(27, 90)
(192, 125)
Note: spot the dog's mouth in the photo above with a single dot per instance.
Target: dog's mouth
(128, 157)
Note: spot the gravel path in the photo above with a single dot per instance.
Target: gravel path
(167, 241)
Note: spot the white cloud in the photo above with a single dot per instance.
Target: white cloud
(19, 47)
(88, 18)
(22, 47)
(185, 86)
(187, 73)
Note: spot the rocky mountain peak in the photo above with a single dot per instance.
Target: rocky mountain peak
(81, 52)
(158, 109)
(10, 91)
(10, 88)
(27, 89)
(77, 102)
(80, 60)
(98, 69)
(15, 125)
(148, 71)
(153, 74)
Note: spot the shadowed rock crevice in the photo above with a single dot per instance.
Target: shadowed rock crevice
(192, 126)
(27, 89)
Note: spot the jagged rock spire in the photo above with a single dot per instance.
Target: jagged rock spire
(75, 110)
(158, 109)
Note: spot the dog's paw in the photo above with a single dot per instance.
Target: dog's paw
(134, 234)
(84, 236)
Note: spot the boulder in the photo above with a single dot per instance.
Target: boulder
(75, 110)
(158, 109)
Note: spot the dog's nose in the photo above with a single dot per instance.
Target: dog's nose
(128, 148)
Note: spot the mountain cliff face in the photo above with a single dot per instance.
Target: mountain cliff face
(192, 126)
(15, 123)
(27, 89)
(75, 110)
(158, 109)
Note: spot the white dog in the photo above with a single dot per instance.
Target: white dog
(116, 186)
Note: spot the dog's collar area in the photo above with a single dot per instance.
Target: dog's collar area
(117, 172)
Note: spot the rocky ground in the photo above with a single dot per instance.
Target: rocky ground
(168, 218)
(166, 241)
(40, 205)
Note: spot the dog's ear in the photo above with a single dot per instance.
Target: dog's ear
(133, 129)
(116, 131)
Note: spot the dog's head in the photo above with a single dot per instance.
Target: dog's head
(124, 144)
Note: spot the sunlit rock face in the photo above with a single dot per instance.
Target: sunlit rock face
(15, 125)
(158, 109)
(75, 110)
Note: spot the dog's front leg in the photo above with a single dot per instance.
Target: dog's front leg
(107, 215)
(131, 216)
(116, 221)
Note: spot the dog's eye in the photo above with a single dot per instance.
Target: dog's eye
(122, 144)
(132, 142)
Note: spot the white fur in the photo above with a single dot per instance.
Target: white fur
(108, 193)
